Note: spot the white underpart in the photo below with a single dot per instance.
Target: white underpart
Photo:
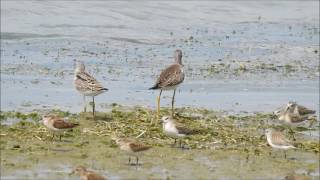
(49, 125)
(278, 146)
(170, 130)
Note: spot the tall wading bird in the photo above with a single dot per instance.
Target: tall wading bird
(169, 79)
(87, 85)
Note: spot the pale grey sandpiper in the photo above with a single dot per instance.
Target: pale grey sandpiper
(278, 141)
(57, 125)
(87, 85)
(86, 174)
(169, 79)
(131, 147)
(175, 130)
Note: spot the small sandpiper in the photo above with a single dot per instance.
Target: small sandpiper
(277, 140)
(57, 125)
(86, 174)
(175, 130)
(169, 79)
(293, 113)
(132, 148)
(87, 85)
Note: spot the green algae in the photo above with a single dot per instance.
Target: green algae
(220, 140)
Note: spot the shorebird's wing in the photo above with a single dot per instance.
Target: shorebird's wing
(136, 147)
(61, 124)
(86, 81)
(296, 118)
(93, 176)
(280, 140)
(171, 76)
(303, 110)
(183, 130)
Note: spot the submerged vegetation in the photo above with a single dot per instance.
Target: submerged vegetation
(215, 130)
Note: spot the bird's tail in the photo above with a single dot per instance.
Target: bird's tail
(154, 87)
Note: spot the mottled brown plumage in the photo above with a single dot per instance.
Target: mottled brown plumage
(86, 174)
(136, 147)
(279, 139)
(87, 85)
(132, 147)
(57, 124)
(184, 130)
(301, 110)
(62, 124)
(170, 77)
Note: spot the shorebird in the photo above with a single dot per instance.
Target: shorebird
(86, 175)
(169, 79)
(175, 130)
(132, 148)
(57, 125)
(278, 141)
(87, 85)
(293, 113)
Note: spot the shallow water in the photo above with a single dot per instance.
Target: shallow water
(125, 48)
(239, 57)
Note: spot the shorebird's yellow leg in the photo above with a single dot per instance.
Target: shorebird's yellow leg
(172, 103)
(158, 105)
(84, 103)
(93, 107)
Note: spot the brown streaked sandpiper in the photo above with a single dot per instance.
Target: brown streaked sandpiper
(86, 174)
(175, 130)
(169, 79)
(278, 141)
(57, 125)
(87, 85)
(293, 113)
(132, 148)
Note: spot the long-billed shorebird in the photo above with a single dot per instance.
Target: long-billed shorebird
(87, 85)
(175, 130)
(278, 141)
(169, 79)
(57, 125)
(132, 148)
(86, 174)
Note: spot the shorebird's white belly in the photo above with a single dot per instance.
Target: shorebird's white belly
(53, 129)
(171, 131)
(279, 146)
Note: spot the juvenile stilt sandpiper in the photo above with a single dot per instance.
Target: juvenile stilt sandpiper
(87, 85)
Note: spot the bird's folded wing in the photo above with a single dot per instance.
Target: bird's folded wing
(61, 124)
(89, 82)
(171, 76)
(136, 147)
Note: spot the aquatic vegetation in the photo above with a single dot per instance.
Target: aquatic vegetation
(216, 130)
